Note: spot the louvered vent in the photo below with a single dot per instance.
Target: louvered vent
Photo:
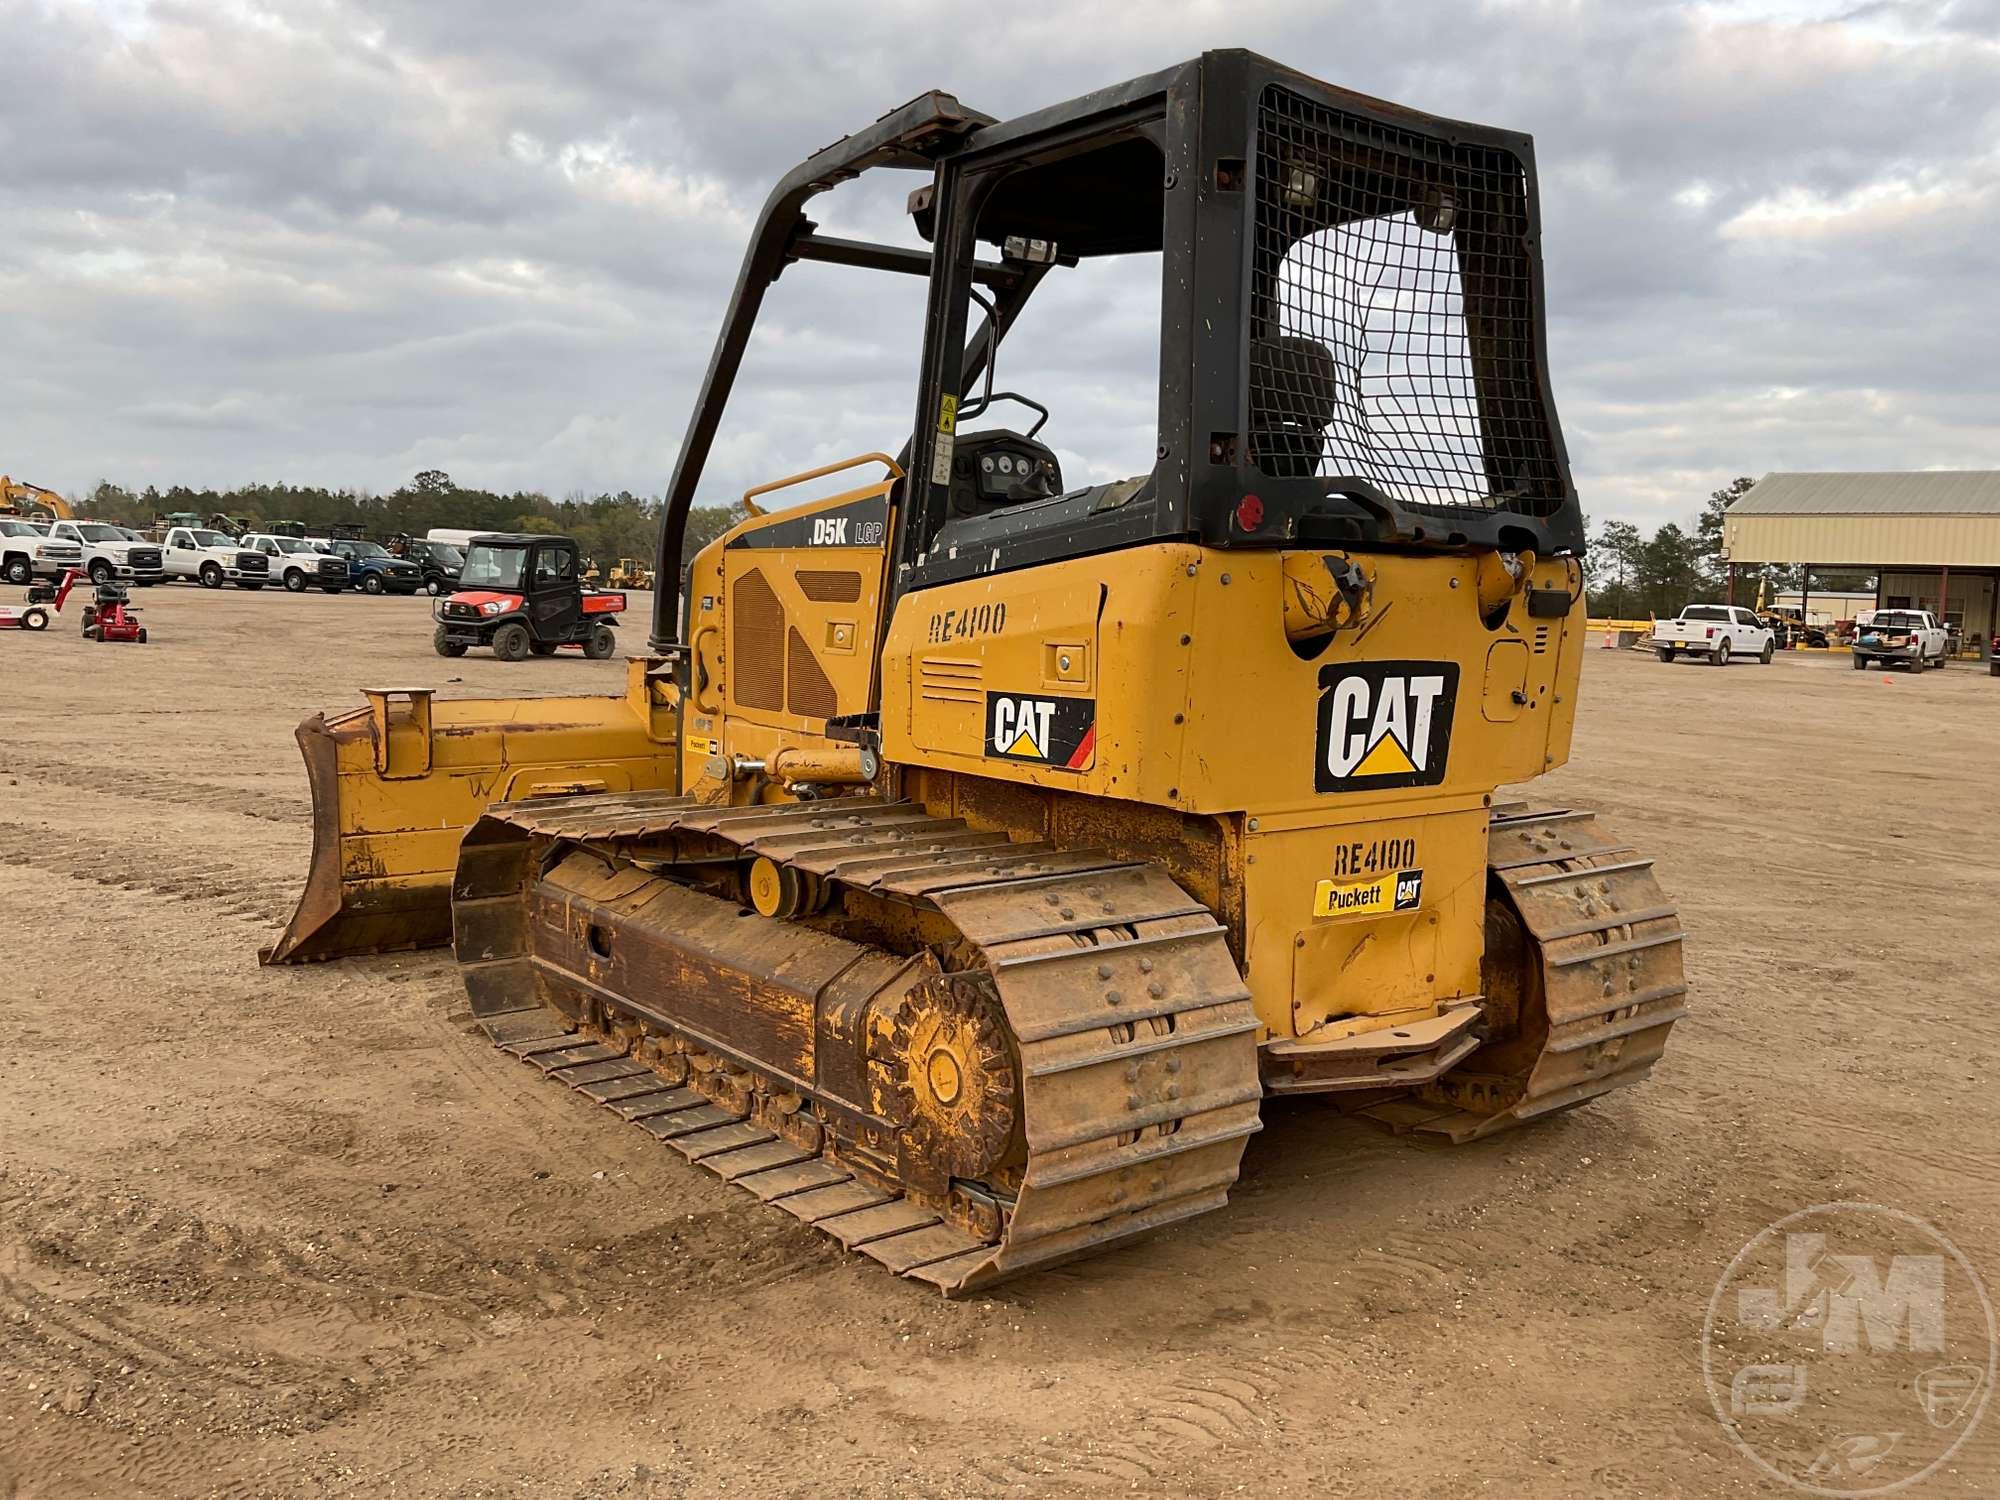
(825, 586)
(756, 643)
(812, 695)
(951, 679)
(1541, 640)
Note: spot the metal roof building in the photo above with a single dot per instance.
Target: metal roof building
(1945, 518)
(1929, 536)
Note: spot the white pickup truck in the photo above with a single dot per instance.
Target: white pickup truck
(27, 552)
(299, 565)
(212, 559)
(113, 553)
(1720, 632)
(1911, 637)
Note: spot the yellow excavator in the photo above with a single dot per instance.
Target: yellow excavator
(976, 850)
(19, 498)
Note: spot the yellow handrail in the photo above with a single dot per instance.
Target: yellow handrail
(750, 495)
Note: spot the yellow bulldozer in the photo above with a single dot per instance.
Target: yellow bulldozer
(976, 850)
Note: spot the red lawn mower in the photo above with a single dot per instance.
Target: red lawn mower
(112, 617)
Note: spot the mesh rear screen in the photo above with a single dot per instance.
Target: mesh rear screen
(1393, 318)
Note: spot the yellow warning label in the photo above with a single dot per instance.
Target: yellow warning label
(948, 414)
(1402, 891)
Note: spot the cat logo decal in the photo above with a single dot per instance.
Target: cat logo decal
(1384, 724)
(1060, 732)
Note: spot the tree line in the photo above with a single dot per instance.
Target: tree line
(606, 526)
(1630, 575)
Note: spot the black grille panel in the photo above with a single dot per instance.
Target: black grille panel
(1394, 331)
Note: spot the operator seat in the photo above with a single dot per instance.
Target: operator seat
(1294, 398)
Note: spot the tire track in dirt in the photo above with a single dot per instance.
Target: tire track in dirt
(286, 807)
(225, 883)
(563, 1259)
(1232, 1401)
(1939, 1152)
(1400, 1262)
(73, 1335)
(1226, 1407)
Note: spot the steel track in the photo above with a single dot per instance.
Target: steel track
(1134, 1032)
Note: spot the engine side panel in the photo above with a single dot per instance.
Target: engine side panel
(783, 614)
(1192, 696)
(1329, 801)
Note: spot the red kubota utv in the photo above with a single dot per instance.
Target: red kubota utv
(523, 595)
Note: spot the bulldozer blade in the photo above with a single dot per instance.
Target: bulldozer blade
(395, 784)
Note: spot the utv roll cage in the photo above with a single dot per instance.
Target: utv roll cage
(1352, 343)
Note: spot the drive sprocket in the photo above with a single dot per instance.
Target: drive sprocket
(948, 1074)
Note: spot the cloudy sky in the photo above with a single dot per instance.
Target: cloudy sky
(338, 241)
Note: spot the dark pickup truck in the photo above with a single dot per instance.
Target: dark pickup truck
(373, 570)
(440, 562)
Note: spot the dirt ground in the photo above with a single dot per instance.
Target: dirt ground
(302, 1233)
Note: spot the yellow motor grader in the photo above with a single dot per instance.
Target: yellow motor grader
(630, 573)
(976, 849)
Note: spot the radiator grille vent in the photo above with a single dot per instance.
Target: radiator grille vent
(1541, 640)
(830, 587)
(756, 644)
(812, 695)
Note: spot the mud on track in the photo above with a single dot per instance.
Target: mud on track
(303, 1232)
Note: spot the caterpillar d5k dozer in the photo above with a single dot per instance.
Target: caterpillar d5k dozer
(1008, 841)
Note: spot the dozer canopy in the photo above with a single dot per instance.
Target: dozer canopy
(1351, 347)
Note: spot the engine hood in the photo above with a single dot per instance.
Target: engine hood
(478, 597)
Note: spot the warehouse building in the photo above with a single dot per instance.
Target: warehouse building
(1931, 538)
